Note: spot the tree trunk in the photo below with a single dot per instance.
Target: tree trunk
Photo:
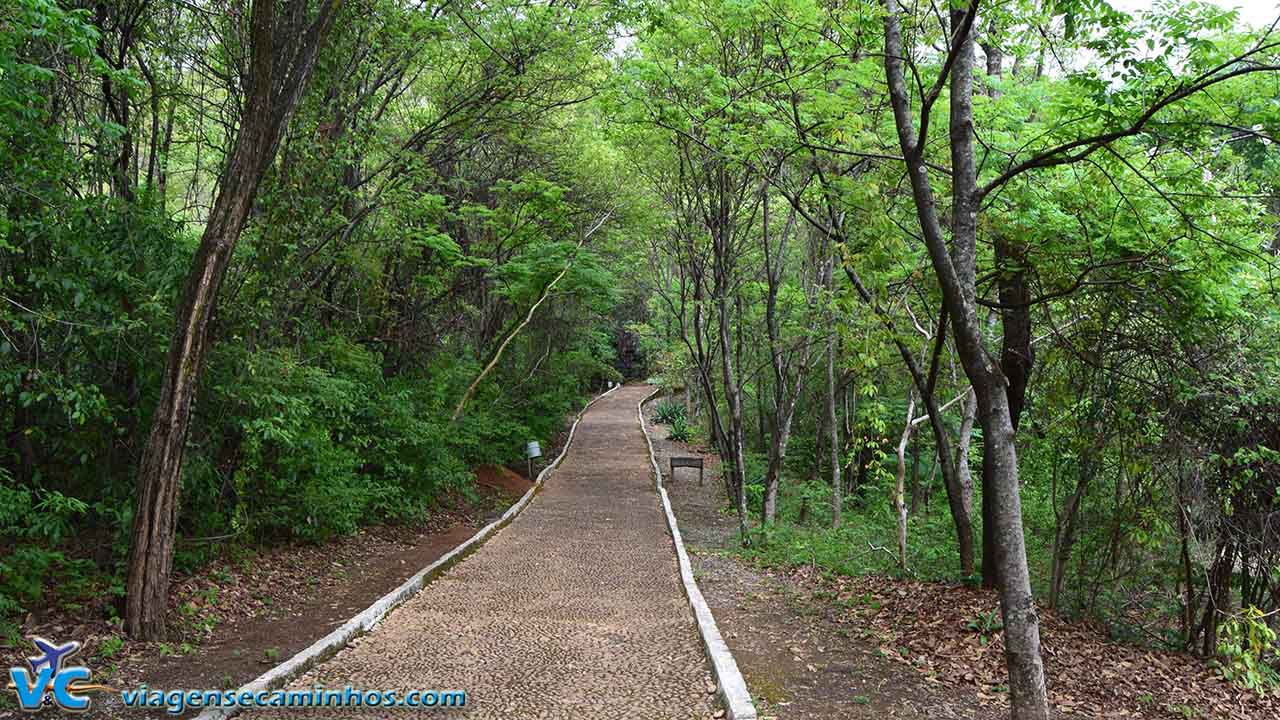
(1016, 353)
(286, 45)
(837, 497)
(787, 382)
(733, 396)
(963, 471)
(956, 277)
(917, 488)
(899, 500)
(990, 569)
(1065, 537)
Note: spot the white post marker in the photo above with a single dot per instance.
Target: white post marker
(531, 451)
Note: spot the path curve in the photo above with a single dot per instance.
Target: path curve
(573, 611)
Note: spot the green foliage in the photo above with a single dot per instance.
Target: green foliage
(668, 412)
(679, 430)
(110, 646)
(986, 625)
(376, 273)
(1246, 645)
(303, 429)
(864, 542)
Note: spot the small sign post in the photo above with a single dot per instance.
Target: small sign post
(532, 450)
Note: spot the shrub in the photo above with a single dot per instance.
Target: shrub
(1246, 642)
(668, 412)
(679, 430)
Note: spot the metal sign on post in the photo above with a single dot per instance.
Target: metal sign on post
(532, 450)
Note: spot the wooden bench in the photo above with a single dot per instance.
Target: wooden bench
(689, 462)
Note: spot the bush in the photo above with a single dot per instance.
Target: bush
(1246, 642)
(668, 412)
(679, 430)
(324, 446)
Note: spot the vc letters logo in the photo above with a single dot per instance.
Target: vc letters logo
(51, 682)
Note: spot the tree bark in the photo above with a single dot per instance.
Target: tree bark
(733, 396)
(1065, 536)
(955, 273)
(282, 54)
(837, 496)
(963, 471)
(1016, 353)
(918, 489)
(899, 500)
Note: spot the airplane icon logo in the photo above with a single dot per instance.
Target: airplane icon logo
(53, 655)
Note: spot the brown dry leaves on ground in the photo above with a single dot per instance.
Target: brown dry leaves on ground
(949, 634)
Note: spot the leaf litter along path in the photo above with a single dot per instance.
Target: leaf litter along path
(799, 661)
(876, 647)
(573, 611)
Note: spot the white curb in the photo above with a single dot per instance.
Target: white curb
(325, 647)
(730, 685)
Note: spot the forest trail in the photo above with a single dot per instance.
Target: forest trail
(574, 610)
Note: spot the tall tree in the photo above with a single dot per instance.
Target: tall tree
(955, 269)
(284, 40)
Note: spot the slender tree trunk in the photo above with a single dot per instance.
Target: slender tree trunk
(162, 176)
(963, 470)
(899, 494)
(956, 277)
(282, 56)
(787, 381)
(1188, 574)
(1218, 593)
(1065, 537)
(837, 497)
(917, 488)
(733, 396)
(780, 438)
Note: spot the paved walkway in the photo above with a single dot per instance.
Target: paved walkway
(572, 611)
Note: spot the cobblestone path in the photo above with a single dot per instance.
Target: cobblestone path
(572, 611)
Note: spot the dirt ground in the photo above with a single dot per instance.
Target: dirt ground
(816, 646)
(800, 661)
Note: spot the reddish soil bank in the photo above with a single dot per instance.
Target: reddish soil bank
(501, 478)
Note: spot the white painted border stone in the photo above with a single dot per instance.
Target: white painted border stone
(330, 644)
(730, 685)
